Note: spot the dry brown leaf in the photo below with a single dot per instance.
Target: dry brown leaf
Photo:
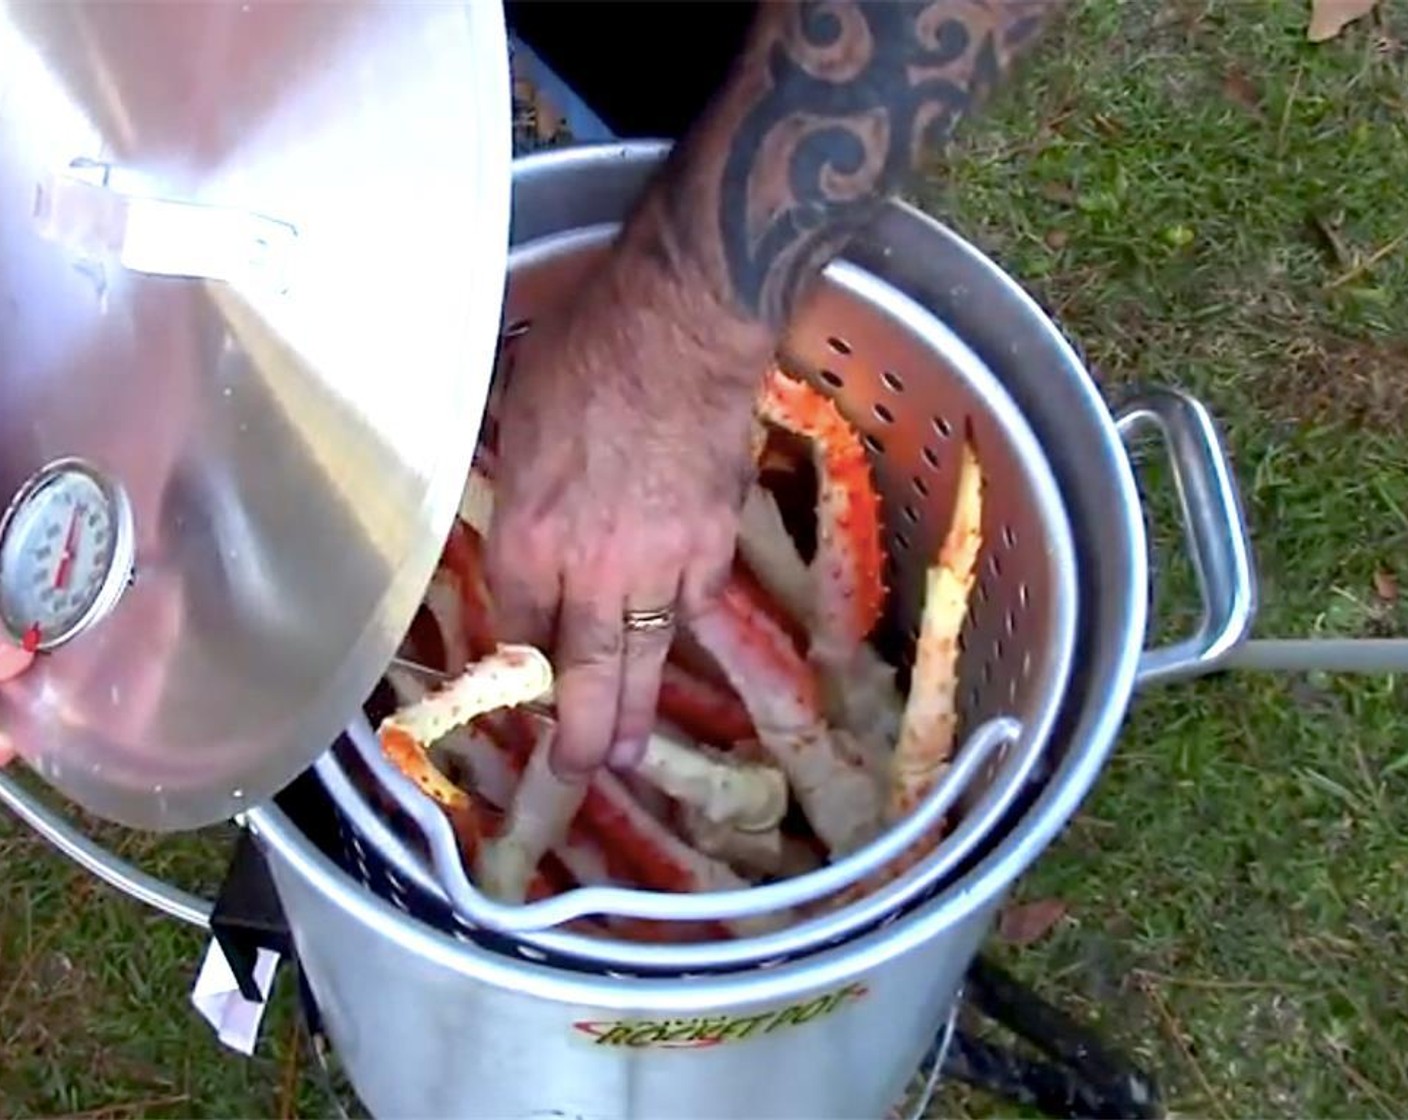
(1238, 87)
(1329, 17)
(1386, 586)
(1026, 923)
(1056, 238)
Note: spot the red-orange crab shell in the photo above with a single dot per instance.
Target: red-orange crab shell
(850, 588)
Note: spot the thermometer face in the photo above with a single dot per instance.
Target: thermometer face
(65, 552)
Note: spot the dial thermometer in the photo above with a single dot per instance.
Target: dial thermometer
(66, 553)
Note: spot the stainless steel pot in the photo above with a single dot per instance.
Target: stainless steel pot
(433, 1016)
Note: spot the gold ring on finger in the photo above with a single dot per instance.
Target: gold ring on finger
(644, 622)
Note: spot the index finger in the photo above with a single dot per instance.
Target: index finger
(589, 653)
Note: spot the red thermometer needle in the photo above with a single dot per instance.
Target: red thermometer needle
(70, 542)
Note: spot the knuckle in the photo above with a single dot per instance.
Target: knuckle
(518, 547)
(589, 639)
(704, 588)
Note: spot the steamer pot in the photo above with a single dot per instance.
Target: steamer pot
(433, 1016)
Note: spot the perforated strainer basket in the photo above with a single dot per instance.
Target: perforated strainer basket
(911, 387)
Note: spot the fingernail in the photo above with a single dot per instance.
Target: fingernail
(626, 754)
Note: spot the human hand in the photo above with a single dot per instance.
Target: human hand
(14, 660)
(623, 460)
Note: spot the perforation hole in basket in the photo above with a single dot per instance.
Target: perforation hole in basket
(920, 486)
(883, 414)
(891, 380)
(517, 328)
(873, 444)
(1009, 537)
(832, 378)
(942, 427)
(1009, 622)
(931, 457)
(1023, 595)
(902, 542)
(910, 514)
(839, 345)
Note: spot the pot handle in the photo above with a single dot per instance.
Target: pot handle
(1213, 527)
(98, 861)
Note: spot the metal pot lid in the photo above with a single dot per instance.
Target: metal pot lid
(252, 259)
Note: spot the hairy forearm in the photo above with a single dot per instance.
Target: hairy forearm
(831, 107)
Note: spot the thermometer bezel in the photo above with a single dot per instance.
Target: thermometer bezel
(121, 560)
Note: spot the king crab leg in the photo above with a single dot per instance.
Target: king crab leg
(771, 555)
(540, 813)
(702, 709)
(494, 771)
(847, 592)
(838, 598)
(827, 772)
(927, 733)
(512, 676)
(468, 816)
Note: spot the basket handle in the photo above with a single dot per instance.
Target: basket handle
(99, 861)
(1213, 527)
(981, 746)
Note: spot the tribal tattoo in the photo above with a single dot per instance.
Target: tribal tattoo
(833, 105)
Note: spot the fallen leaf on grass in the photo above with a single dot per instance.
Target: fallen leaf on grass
(1026, 923)
(1386, 585)
(1063, 194)
(1239, 88)
(1329, 17)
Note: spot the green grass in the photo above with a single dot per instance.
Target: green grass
(1181, 190)
(1188, 193)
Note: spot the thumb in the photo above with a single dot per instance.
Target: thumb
(14, 660)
